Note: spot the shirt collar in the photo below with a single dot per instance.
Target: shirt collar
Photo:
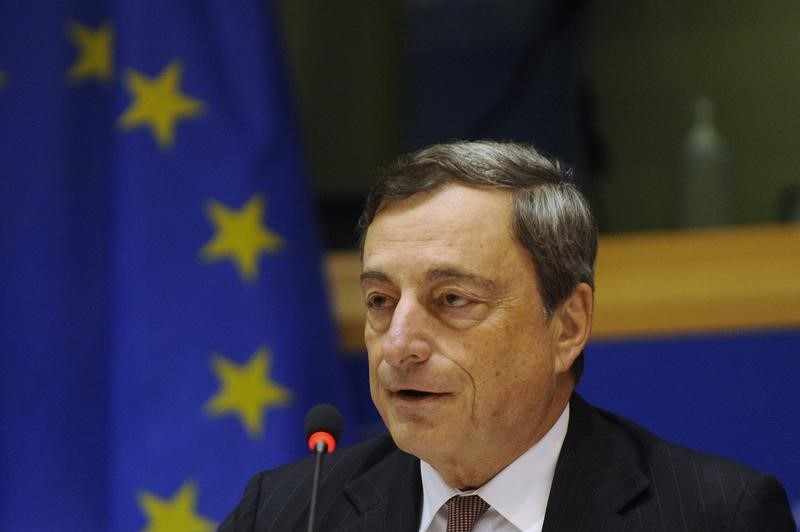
(519, 492)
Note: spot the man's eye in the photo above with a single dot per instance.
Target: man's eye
(455, 300)
(377, 302)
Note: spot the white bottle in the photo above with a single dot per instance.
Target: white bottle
(707, 184)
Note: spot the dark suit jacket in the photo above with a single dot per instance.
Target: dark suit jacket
(611, 475)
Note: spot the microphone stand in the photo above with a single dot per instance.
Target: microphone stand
(323, 426)
(319, 451)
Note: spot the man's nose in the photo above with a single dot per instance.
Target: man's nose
(407, 341)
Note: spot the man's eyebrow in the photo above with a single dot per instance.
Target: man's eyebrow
(450, 273)
(434, 275)
(374, 275)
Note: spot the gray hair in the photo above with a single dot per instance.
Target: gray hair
(551, 219)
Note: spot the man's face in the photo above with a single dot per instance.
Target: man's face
(461, 355)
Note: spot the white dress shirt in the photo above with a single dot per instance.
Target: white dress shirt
(517, 495)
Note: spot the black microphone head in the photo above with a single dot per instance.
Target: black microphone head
(324, 418)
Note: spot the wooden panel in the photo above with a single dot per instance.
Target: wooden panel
(657, 283)
(344, 269)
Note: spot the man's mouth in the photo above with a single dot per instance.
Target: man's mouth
(416, 394)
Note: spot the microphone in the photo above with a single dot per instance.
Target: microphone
(323, 427)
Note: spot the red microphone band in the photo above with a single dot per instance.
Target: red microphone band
(324, 437)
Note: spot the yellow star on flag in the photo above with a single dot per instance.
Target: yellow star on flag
(3, 78)
(158, 103)
(240, 236)
(246, 390)
(95, 52)
(177, 513)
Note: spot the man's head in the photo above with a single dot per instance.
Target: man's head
(551, 219)
(477, 272)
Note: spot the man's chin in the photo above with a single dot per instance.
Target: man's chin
(417, 438)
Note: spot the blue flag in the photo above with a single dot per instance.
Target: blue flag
(164, 324)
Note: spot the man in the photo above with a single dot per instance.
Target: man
(477, 273)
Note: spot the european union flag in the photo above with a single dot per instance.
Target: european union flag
(164, 324)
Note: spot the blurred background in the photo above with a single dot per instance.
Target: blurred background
(617, 91)
(179, 187)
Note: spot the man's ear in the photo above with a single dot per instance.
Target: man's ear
(574, 324)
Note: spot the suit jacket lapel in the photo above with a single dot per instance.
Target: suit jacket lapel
(388, 497)
(598, 473)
